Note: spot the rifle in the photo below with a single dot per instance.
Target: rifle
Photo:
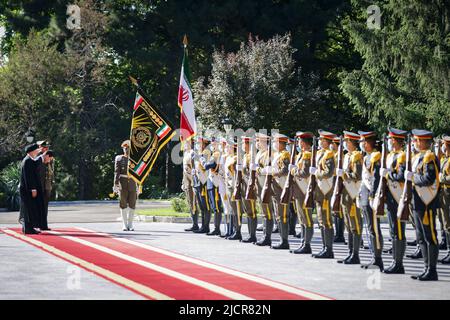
(309, 199)
(266, 193)
(403, 211)
(250, 193)
(339, 184)
(380, 196)
(237, 192)
(286, 195)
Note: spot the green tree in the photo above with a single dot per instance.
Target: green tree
(404, 79)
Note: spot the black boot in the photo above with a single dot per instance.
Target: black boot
(416, 255)
(304, 249)
(284, 233)
(340, 226)
(251, 231)
(354, 259)
(193, 228)
(215, 232)
(398, 250)
(237, 235)
(430, 275)
(376, 262)
(267, 240)
(443, 244)
(264, 242)
(328, 252)
(424, 250)
(282, 246)
(350, 248)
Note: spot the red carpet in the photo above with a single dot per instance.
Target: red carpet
(156, 273)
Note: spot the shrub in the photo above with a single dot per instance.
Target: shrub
(179, 205)
(10, 180)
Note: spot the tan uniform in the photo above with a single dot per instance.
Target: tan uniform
(127, 191)
(444, 197)
(249, 206)
(187, 185)
(280, 171)
(352, 167)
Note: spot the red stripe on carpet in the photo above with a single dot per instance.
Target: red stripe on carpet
(227, 281)
(160, 282)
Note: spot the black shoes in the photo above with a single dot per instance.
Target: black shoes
(443, 245)
(202, 230)
(304, 249)
(395, 268)
(345, 259)
(30, 231)
(284, 245)
(264, 242)
(215, 232)
(193, 228)
(416, 255)
(235, 236)
(377, 262)
(324, 254)
(446, 259)
(250, 240)
(429, 275)
(354, 259)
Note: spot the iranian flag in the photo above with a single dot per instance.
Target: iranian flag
(188, 126)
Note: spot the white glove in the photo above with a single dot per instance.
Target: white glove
(193, 172)
(292, 167)
(253, 166)
(269, 170)
(409, 175)
(339, 172)
(384, 172)
(312, 170)
(239, 167)
(116, 189)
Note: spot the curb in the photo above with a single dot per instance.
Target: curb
(78, 202)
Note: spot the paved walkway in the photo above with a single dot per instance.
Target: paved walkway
(47, 277)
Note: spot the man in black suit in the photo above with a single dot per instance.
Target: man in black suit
(31, 194)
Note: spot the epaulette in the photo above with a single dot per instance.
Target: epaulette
(328, 155)
(356, 157)
(429, 157)
(306, 155)
(375, 156)
(401, 158)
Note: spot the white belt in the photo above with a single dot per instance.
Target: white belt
(124, 176)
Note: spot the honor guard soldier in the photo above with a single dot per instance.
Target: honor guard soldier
(424, 177)
(444, 193)
(249, 205)
(351, 174)
(263, 161)
(395, 174)
(339, 223)
(300, 172)
(227, 211)
(370, 181)
(280, 170)
(230, 181)
(324, 170)
(200, 177)
(126, 187)
(212, 185)
(187, 184)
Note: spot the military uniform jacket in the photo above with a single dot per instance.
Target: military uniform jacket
(280, 167)
(370, 177)
(121, 172)
(325, 165)
(396, 162)
(301, 173)
(201, 177)
(213, 167)
(425, 181)
(187, 169)
(230, 171)
(352, 166)
(444, 176)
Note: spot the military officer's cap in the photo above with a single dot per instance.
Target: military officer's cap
(446, 138)
(281, 137)
(261, 136)
(337, 139)
(351, 136)
(397, 133)
(126, 143)
(326, 135)
(31, 147)
(304, 135)
(246, 139)
(422, 134)
(43, 143)
(367, 135)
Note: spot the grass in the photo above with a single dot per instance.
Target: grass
(163, 212)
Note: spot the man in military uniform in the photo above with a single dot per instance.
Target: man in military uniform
(126, 187)
(300, 173)
(200, 177)
(212, 185)
(339, 223)
(424, 176)
(187, 184)
(280, 167)
(444, 194)
(248, 205)
(370, 181)
(324, 171)
(351, 173)
(262, 162)
(395, 174)
(230, 181)
(44, 164)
